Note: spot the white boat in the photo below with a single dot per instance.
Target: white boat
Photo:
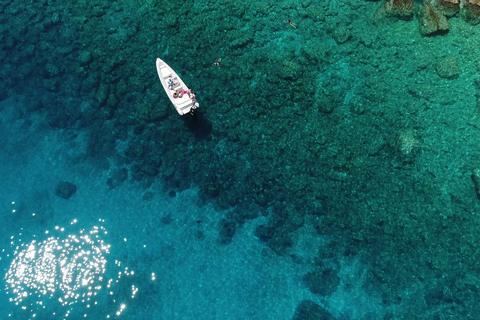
(176, 89)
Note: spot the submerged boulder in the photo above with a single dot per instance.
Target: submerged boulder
(447, 67)
(309, 310)
(471, 11)
(322, 281)
(431, 20)
(448, 7)
(399, 8)
(65, 189)
(476, 181)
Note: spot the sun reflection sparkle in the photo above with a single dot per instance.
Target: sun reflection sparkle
(61, 271)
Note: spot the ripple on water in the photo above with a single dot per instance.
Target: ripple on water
(65, 275)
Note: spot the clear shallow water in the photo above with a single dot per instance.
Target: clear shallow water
(57, 257)
(103, 250)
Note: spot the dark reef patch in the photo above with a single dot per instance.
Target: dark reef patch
(65, 189)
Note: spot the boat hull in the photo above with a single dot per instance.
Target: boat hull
(182, 102)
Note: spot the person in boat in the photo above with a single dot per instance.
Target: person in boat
(178, 93)
(170, 84)
(181, 93)
(194, 104)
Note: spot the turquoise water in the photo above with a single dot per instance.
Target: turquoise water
(331, 171)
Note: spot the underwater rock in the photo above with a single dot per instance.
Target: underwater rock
(447, 7)
(65, 189)
(431, 20)
(329, 97)
(84, 57)
(103, 94)
(447, 68)
(341, 34)
(290, 70)
(51, 71)
(408, 144)
(308, 310)
(476, 181)
(151, 112)
(470, 11)
(227, 231)
(117, 178)
(147, 196)
(315, 51)
(150, 166)
(323, 282)
(399, 8)
(275, 238)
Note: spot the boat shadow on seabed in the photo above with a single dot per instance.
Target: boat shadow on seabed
(198, 124)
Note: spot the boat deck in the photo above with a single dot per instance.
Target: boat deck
(183, 104)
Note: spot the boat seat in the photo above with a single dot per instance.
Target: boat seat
(166, 73)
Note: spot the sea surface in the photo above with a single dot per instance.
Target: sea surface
(332, 170)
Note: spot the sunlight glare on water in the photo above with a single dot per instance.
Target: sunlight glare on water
(64, 274)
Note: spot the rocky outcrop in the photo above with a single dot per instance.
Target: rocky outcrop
(399, 8)
(432, 14)
(431, 20)
(402, 9)
(447, 7)
(448, 68)
(470, 11)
